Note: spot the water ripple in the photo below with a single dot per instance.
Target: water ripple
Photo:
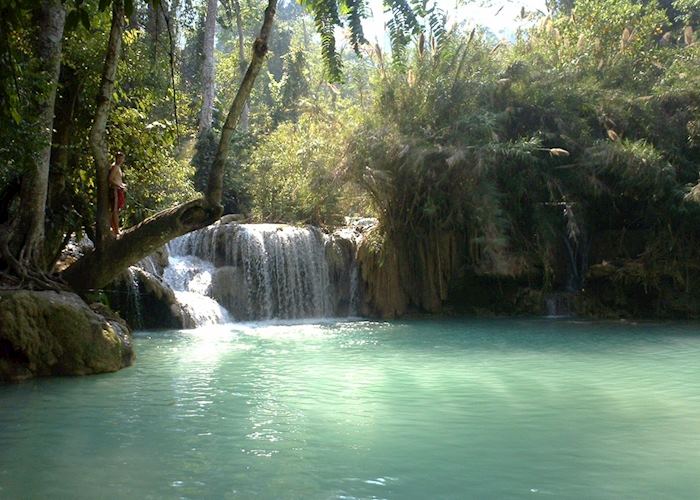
(370, 410)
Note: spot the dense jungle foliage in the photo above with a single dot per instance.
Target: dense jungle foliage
(572, 151)
(564, 158)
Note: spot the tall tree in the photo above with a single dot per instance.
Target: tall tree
(23, 251)
(98, 145)
(234, 16)
(206, 113)
(98, 268)
(241, 59)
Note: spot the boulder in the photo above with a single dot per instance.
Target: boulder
(228, 288)
(146, 302)
(46, 333)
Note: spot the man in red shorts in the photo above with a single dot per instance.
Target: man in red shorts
(117, 190)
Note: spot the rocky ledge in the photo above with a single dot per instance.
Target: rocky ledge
(47, 333)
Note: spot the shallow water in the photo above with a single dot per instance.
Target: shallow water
(424, 410)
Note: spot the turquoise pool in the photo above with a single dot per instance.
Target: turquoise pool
(402, 410)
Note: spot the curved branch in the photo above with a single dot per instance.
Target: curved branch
(99, 268)
(216, 174)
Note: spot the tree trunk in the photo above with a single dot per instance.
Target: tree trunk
(99, 148)
(26, 240)
(216, 174)
(59, 207)
(206, 114)
(241, 61)
(155, 23)
(97, 269)
(172, 14)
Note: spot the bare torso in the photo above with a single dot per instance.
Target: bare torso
(116, 177)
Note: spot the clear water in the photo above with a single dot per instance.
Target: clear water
(404, 410)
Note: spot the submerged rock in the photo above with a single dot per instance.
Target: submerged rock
(48, 333)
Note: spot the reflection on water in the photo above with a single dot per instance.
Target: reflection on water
(442, 409)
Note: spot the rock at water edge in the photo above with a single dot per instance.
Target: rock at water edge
(47, 333)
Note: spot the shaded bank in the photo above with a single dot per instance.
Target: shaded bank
(254, 272)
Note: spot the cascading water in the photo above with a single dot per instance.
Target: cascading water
(576, 245)
(265, 271)
(190, 279)
(133, 298)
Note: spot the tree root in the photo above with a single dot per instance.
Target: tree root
(20, 274)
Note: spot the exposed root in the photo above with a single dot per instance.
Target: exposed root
(19, 273)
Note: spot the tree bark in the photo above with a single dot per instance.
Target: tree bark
(241, 60)
(172, 14)
(98, 146)
(216, 174)
(26, 240)
(207, 111)
(60, 215)
(97, 269)
(154, 25)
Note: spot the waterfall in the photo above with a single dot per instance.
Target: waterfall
(133, 298)
(190, 279)
(265, 271)
(559, 305)
(577, 245)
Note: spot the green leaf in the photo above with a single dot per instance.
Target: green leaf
(15, 115)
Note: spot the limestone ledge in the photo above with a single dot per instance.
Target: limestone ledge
(45, 333)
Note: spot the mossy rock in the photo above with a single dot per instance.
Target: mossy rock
(47, 333)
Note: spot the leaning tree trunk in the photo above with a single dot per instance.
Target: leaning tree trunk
(98, 146)
(216, 174)
(97, 269)
(26, 237)
(207, 112)
(241, 61)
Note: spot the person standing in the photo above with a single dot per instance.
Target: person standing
(117, 191)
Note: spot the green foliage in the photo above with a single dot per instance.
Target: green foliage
(326, 18)
(293, 173)
(688, 10)
(588, 123)
(407, 20)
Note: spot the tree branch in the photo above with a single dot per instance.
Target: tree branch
(216, 174)
(99, 268)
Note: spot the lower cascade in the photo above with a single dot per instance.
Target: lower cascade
(190, 279)
(263, 271)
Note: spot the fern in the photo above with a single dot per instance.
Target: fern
(326, 18)
(355, 11)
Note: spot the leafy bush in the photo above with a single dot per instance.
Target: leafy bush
(294, 175)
